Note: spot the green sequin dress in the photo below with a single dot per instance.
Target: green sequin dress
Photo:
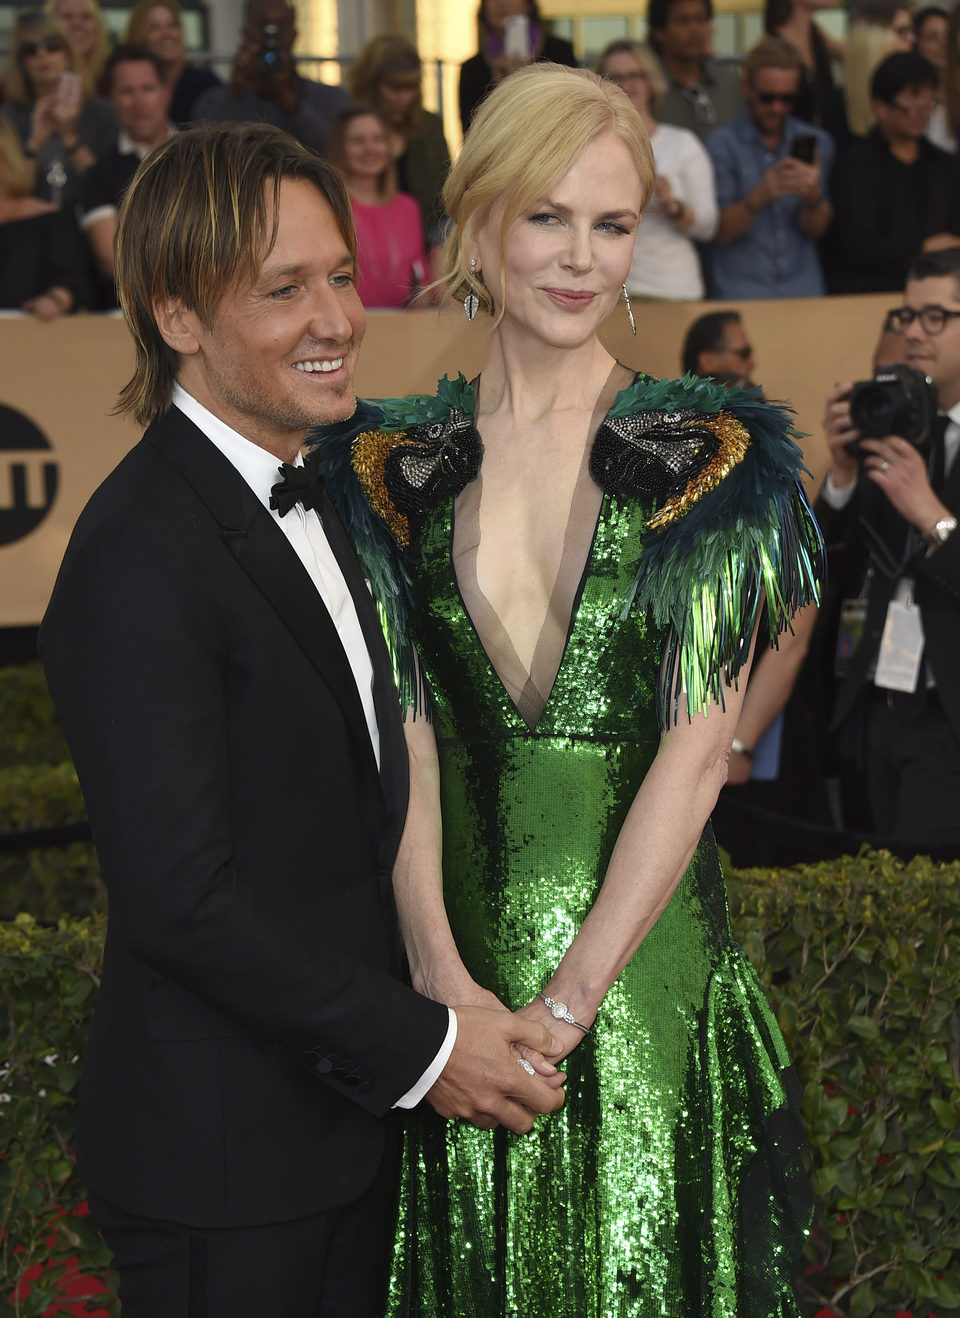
(671, 1183)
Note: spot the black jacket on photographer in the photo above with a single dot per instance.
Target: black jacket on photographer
(853, 520)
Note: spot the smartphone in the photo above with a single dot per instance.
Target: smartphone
(69, 88)
(516, 37)
(804, 147)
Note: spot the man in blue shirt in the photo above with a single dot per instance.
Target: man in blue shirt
(770, 170)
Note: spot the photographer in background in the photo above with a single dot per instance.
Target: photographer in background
(266, 86)
(888, 513)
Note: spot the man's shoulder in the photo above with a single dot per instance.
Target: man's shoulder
(321, 94)
(731, 136)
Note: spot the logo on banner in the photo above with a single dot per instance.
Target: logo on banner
(28, 476)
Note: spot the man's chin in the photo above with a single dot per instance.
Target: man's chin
(338, 407)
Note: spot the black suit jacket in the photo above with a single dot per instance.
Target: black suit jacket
(937, 592)
(251, 1031)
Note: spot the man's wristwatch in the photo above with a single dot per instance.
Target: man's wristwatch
(941, 531)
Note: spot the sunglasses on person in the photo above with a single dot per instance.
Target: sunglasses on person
(45, 43)
(744, 353)
(932, 319)
(770, 98)
(703, 107)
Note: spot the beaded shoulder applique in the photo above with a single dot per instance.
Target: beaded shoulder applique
(731, 530)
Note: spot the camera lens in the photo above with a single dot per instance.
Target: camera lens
(876, 410)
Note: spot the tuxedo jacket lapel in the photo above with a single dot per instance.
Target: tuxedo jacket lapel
(264, 553)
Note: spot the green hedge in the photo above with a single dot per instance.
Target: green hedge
(48, 978)
(31, 734)
(861, 958)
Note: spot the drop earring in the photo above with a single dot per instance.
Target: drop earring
(471, 303)
(633, 323)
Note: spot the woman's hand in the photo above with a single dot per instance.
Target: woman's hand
(567, 1035)
(55, 302)
(42, 122)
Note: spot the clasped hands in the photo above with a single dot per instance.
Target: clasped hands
(483, 1080)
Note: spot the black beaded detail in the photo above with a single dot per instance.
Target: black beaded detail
(652, 453)
(443, 457)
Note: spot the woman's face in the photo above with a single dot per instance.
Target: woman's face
(80, 20)
(396, 97)
(566, 257)
(901, 31)
(932, 39)
(163, 34)
(625, 70)
(43, 59)
(365, 147)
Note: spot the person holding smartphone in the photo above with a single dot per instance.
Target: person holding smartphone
(61, 129)
(511, 34)
(770, 171)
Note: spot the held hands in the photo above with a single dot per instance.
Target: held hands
(482, 1080)
(568, 1036)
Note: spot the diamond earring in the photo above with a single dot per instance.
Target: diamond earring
(633, 323)
(471, 303)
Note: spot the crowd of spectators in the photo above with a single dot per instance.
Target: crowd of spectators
(813, 167)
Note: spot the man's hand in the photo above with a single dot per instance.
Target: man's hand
(483, 1080)
(792, 178)
(900, 471)
(838, 433)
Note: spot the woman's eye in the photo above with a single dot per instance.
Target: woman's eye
(544, 217)
(608, 226)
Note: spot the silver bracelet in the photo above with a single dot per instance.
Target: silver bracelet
(561, 1012)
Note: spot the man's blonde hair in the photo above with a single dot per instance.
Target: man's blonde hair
(523, 139)
(194, 221)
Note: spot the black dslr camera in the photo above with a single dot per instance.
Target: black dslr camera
(897, 401)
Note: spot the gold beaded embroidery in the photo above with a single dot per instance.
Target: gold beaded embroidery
(368, 458)
(734, 442)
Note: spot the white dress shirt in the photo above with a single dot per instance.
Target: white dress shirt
(304, 530)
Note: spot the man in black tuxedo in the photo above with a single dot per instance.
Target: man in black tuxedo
(889, 518)
(220, 673)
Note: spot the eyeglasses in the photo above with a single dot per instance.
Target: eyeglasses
(932, 319)
(768, 98)
(914, 104)
(625, 79)
(744, 353)
(45, 43)
(904, 30)
(703, 107)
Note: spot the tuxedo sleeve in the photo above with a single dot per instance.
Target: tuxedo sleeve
(135, 646)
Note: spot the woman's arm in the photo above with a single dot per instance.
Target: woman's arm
(699, 191)
(435, 965)
(655, 846)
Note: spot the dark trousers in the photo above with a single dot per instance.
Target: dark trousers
(331, 1265)
(912, 765)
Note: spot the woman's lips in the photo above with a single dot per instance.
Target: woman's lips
(567, 297)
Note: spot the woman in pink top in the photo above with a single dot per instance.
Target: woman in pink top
(390, 248)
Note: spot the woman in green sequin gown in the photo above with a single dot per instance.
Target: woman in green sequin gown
(576, 855)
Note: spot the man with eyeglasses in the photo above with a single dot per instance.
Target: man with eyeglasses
(702, 92)
(770, 170)
(717, 345)
(889, 516)
(893, 191)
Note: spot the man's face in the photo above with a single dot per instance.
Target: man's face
(770, 95)
(734, 356)
(687, 33)
(937, 355)
(141, 99)
(907, 115)
(281, 352)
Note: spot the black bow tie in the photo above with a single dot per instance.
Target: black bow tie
(299, 485)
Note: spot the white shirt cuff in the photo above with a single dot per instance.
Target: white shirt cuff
(90, 218)
(432, 1074)
(834, 498)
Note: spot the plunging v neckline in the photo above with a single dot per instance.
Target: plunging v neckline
(530, 690)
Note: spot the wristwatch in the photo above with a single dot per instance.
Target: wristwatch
(941, 531)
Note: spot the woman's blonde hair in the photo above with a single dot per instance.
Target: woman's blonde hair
(31, 25)
(93, 68)
(523, 139)
(136, 32)
(870, 40)
(649, 65)
(16, 171)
